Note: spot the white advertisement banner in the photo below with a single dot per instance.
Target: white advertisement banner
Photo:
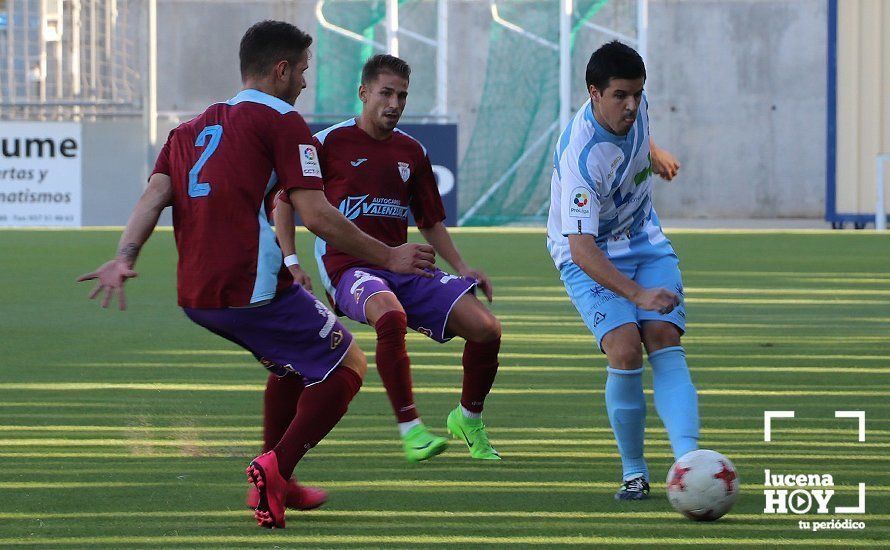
(40, 173)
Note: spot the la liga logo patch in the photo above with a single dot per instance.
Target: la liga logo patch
(580, 207)
(309, 161)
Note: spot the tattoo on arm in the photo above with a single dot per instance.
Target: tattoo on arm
(129, 252)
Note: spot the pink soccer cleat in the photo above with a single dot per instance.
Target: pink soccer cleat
(298, 496)
(272, 489)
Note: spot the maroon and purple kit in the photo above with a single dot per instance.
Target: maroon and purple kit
(375, 183)
(226, 166)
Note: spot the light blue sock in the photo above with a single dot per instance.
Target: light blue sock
(626, 406)
(675, 398)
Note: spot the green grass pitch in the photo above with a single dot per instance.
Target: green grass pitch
(133, 429)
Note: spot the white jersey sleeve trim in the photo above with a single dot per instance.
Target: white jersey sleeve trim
(322, 135)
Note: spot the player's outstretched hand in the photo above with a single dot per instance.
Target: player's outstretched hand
(657, 299)
(111, 278)
(482, 281)
(301, 277)
(664, 164)
(417, 259)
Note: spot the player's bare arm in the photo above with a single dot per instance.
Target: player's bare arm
(588, 256)
(664, 163)
(283, 216)
(441, 241)
(113, 274)
(328, 223)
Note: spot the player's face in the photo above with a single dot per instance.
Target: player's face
(384, 100)
(293, 78)
(616, 106)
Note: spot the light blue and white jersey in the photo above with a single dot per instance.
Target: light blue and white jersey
(601, 186)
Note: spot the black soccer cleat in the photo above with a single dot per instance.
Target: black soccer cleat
(633, 489)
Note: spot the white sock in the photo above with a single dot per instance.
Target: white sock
(470, 414)
(405, 427)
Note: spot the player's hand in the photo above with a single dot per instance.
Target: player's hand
(416, 259)
(301, 277)
(657, 299)
(482, 281)
(111, 278)
(664, 164)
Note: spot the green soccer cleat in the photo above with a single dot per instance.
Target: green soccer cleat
(420, 444)
(473, 432)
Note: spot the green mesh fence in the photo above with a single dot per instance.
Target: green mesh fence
(507, 143)
(341, 58)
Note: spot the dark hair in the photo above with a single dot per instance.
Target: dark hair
(383, 63)
(614, 60)
(268, 42)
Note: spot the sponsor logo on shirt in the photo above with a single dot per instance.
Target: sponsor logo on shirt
(364, 205)
(357, 162)
(404, 171)
(309, 161)
(580, 206)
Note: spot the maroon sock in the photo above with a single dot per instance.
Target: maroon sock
(279, 406)
(320, 408)
(480, 368)
(394, 365)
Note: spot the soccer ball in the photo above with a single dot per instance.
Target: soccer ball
(702, 485)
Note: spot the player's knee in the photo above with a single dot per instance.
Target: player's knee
(626, 357)
(356, 361)
(489, 330)
(659, 335)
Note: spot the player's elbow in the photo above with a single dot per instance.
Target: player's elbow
(580, 247)
(314, 221)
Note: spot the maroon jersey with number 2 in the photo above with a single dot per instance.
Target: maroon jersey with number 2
(226, 166)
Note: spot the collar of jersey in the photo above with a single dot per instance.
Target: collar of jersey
(256, 96)
(600, 131)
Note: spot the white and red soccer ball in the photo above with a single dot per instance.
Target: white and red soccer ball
(702, 485)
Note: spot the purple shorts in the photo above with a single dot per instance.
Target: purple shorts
(292, 333)
(427, 302)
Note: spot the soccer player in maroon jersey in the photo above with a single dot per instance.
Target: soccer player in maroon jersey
(220, 172)
(375, 174)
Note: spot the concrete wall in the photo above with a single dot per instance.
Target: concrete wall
(737, 90)
(114, 170)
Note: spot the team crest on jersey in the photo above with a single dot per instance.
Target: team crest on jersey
(580, 206)
(404, 171)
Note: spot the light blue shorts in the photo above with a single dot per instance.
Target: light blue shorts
(650, 266)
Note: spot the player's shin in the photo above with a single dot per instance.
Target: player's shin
(279, 406)
(394, 366)
(480, 361)
(675, 398)
(320, 408)
(626, 407)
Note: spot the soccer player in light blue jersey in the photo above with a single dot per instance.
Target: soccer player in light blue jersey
(618, 267)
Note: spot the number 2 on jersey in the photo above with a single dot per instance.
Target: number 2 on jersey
(215, 134)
